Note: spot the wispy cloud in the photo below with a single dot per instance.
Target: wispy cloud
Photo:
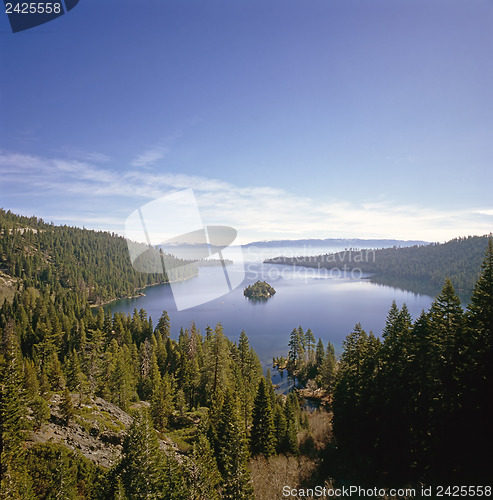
(90, 156)
(150, 157)
(257, 212)
(486, 212)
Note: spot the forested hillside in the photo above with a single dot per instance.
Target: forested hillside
(96, 264)
(60, 360)
(411, 267)
(195, 418)
(416, 405)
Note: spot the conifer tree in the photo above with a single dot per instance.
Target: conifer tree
(327, 368)
(280, 424)
(319, 353)
(142, 463)
(214, 373)
(163, 326)
(40, 411)
(393, 394)
(203, 477)
(348, 390)
(478, 377)
(233, 453)
(66, 406)
(162, 403)
(118, 381)
(310, 346)
(76, 379)
(14, 481)
(292, 410)
(262, 439)
(446, 325)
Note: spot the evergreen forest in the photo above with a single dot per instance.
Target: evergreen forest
(419, 268)
(94, 264)
(95, 405)
(260, 290)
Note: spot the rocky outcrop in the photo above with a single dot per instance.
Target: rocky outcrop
(97, 430)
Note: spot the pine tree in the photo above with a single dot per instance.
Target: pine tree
(14, 480)
(163, 326)
(66, 406)
(348, 390)
(262, 439)
(310, 346)
(76, 379)
(142, 463)
(280, 424)
(233, 453)
(478, 377)
(162, 404)
(328, 368)
(203, 477)
(120, 381)
(214, 372)
(319, 353)
(296, 350)
(446, 325)
(393, 395)
(40, 411)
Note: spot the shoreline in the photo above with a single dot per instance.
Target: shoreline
(139, 292)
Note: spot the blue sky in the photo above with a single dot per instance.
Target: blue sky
(288, 118)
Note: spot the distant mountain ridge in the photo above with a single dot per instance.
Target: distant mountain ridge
(338, 242)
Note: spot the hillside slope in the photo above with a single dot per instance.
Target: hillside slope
(95, 263)
(414, 268)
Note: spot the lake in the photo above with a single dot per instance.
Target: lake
(329, 304)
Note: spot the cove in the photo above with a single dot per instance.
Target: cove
(328, 304)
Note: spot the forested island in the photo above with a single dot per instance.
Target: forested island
(95, 405)
(260, 290)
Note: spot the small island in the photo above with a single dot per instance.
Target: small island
(261, 290)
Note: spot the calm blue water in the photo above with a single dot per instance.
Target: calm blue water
(330, 306)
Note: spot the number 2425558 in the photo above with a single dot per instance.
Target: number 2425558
(33, 8)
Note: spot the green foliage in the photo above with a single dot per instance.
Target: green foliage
(95, 263)
(66, 406)
(416, 406)
(162, 404)
(55, 344)
(57, 472)
(262, 439)
(309, 362)
(203, 477)
(292, 412)
(142, 462)
(400, 405)
(40, 411)
(419, 268)
(327, 368)
(12, 412)
(260, 290)
(478, 375)
(232, 453)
